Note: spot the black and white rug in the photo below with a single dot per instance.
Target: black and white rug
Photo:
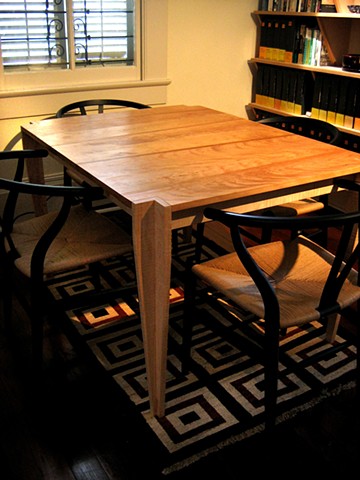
(220, 401)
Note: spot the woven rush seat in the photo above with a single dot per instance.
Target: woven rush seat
(86, 237)
(297, 270)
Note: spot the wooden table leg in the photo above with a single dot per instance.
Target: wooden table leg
(35, 171)
(152, 248)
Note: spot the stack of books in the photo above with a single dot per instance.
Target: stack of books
(284, 89)
(290, 5)
(337, 100)
(284, 40)
(332, 98)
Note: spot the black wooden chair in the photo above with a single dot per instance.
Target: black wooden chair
(36, 248)
(83, 107)
(305, 126)
(282, 284)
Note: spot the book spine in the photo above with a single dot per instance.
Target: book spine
(263, 39)
(266, 86)
(350, 104)
(275, 51)
(324, 100)
(315, 108)
(283, 41)
(284, 91)
(300, 94)
(290, 104)
(301, 43)
(333, 100)
(278, 88)
(290, 40)
(259, 85)
(357, 107)
(341, 103)
(270, 39)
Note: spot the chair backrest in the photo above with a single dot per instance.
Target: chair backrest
(16, 186)
(83, 106)
(305, 126)
(341, 264)
(16, 140)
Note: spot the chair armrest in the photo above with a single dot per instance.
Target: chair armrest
(88, 192)
(22, 154)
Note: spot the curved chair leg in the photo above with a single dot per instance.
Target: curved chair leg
(332, 327)
(358, 360)
(7, 309)
(37, 328)
(189, 305)
(271, 368)
(7, 297)
(199, 241)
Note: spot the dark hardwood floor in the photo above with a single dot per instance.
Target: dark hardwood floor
(72, 424)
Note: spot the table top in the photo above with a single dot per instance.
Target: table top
(189, 156)
(165, 164)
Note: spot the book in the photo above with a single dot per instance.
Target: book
(266, 85)
(318, 41)
(315, 108)
(278, 88)
(307, 46)
(259, 98)
(299, 106)
(263, 39)
(263, 5)
(269, 39)
(333, 100)
(301, 43)
(350, 104)
(341, 102)
(290, 40)
(292, 86)
(284, 90)
(275, 49)
(283, 41)
(325, 94)
(357, 106)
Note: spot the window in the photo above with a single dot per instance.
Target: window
(66, 34)
(140, 74)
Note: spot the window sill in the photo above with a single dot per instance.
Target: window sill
(83, 88)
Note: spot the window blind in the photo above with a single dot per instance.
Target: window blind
(34, 33)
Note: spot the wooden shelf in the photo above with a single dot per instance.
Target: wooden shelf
(351, 16)
(328, 69)
(340, 35)
(257, 106)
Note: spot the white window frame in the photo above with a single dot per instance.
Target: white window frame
(149, 69)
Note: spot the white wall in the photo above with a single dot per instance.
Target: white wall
(209, 43)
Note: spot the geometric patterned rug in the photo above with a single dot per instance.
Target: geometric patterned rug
(220, 401)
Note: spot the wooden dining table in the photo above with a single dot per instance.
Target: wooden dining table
(164, 165)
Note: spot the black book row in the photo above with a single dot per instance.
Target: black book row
(336, 99)
(284, 89)
(286, 40)
(332, 98)
(290, 5)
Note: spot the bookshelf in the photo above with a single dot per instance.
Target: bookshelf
(298, 63)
